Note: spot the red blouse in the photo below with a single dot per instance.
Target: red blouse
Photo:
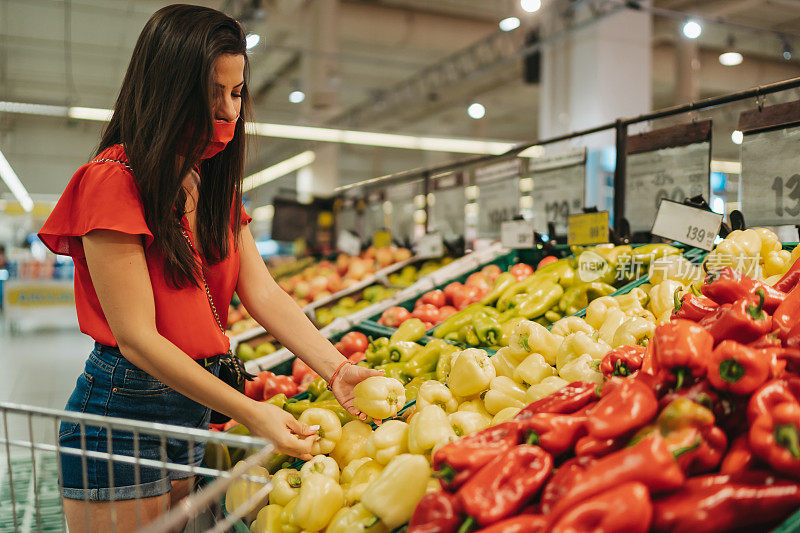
(105, 196)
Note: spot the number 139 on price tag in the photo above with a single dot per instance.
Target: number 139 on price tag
(686, 224)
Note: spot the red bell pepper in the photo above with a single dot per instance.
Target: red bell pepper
(693, 307)
(524, 523)
(728, 410)
(742, 321)
(787, 315)
(277, 385)
(622, 361)
(569, 399)
(772, 394)
(739, 457)
(354, 341)
(435, 297)
(775, 438)
(738, 368)
(624, 406)
(648, 462)
(589, 446)
(727, 506)
(556, 433)
(789, 280)
(394, 316)
(458, 461)
(681, 347)
(705, 451)
(626, 507)
(562, 481)
(783, 360)
(436, 512)
(427, 313)
(728, 285)
(770, 340)
(505, 484)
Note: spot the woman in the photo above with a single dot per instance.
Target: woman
(160, 241)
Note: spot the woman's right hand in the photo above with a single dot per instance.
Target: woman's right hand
(289, 436)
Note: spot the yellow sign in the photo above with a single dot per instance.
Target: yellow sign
(588, 228)
(40, 296)
(381, 239)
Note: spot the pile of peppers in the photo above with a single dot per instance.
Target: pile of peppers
(697, 431)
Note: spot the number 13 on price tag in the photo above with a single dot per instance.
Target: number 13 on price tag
(686, 224)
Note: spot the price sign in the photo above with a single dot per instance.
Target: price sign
(769, 186)
(430, 245)
(559, 188)
(498, 196)
(517, 234)
(588, 228)
(348, 243)
(686, 224)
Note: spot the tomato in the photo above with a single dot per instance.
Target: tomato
(300, 370)
(254, 389)
(466, 296)
(428, 325)
(546, 261)
(354, 341)
(427, 313)
(394, 316)
(435, 297)
(521, 271)
(356, 357)
(277, 385)
(446, 312)
(306, 381)
(479, 281)
(340, 347)
(491, 272)
(451, 290)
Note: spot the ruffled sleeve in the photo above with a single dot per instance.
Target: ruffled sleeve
(99, 196)
(246, 219)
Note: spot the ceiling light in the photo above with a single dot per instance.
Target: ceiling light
(730, 59)
(737, 137)
(476, 110)
(15, 186)
(718, 205)
(252, 40)
(278, 170)
(692, 29)
(510, 23)
(787, 50)
(296, 97)
(530, 6)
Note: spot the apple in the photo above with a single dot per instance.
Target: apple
(318, 283)
(320, 295)
(342, 263)
(384, 257)
(302, 289)
(358, 270)
(401, 254)
(234, 317)
(349, 282)
(334, 282)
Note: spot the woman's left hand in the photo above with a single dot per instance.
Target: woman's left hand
(349, 377)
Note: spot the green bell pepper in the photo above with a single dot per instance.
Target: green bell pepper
(378, 352)
(402, 351)
(278, 400)
(579, 296)
(553, 316)
(411, 330)
(277, 461)
(455, 322)
(503, 282)
(326, 395)
(316, 388)
(396, 371)
(541, 300)
(487, 329)
(412, 387)
(425, 360)
(297, 407)
(336, 407)
(467, 332)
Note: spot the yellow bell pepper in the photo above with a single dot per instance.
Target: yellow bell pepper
(287, 526)
(614, 319)
(598, 309)
(356, 519)
(674, 267)
(433, 486)
(544, 388)
(475, 405)
(379, 397)
(532, 370)
(634, 331)
(740, 250)
(444, 365)
(504, 392)
(529, 337)
(286, 485)
(505, 415)
(634, 301)
(571, 324)
(330, 428)
(470, 373)
(353, 442)
(320, 498)
(769, 241)
(395, 494)
(506, 360)
(349, 471)
(794, 256)
(662, 297)
(436, 393)
(776, 263)
(320, 464)
(466, 422)
(243, 489)
(583, 368)
(389, 440)
(268, 520)
(579, 344)
(507, 328)
(362, 479)
(428, 428)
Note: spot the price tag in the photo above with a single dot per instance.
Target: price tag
(686, 224)
(770, 181)
(559, 188)
(430, 246)
(348, 243)
(517, 234)
(588, 228)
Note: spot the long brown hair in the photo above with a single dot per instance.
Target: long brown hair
(165, 105)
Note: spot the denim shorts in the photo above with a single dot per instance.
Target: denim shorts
(112, 386)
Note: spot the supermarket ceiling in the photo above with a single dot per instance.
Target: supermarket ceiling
(74, 53)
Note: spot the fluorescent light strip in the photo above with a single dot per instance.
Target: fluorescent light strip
(307, 133)
(13, 183)
(726, 167)
(278, 170)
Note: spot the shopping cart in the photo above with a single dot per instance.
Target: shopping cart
(30, 491)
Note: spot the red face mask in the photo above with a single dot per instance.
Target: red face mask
(223, 133)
